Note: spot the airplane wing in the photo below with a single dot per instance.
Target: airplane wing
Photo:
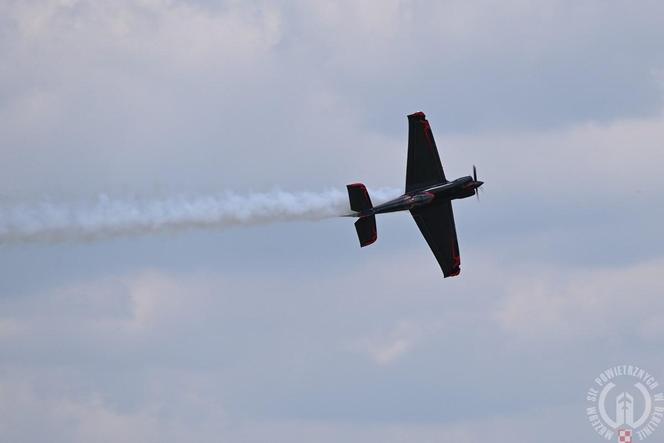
(424, 166)
(436, 222)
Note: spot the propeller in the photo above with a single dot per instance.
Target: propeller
(477, 190)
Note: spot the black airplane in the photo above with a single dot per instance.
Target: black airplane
(428, 197)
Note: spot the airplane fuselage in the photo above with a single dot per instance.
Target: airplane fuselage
(462, 187)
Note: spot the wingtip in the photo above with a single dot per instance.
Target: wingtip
(369, 241)
(454, 273)
(417, 116)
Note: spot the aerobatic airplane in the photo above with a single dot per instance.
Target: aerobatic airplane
(428, 197)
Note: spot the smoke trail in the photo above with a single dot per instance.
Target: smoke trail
(107, 217)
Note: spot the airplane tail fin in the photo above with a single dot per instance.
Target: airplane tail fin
(359, 197)
(366, 230)
(361, 203)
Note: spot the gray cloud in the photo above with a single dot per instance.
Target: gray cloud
(289, 331)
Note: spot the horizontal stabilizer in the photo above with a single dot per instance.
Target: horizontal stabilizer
(359, 197)
(366, 230)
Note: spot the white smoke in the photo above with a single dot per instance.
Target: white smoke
(110, 217)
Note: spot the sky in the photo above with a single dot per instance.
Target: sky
(289, 331)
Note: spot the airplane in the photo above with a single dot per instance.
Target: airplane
(428, 197)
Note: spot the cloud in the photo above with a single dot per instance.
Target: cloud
(218, 353)
(110, 96)
(619, 158)
(290, 332)
(91, 83)
(388, 347)
(593, 304)
(87, 416)
(23, 401)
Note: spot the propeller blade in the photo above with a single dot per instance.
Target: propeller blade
(474, 173)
